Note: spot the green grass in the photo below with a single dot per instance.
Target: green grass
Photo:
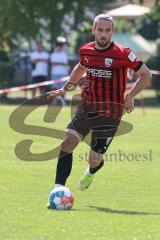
(123, 202)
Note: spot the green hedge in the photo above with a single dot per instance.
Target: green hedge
(7, 71)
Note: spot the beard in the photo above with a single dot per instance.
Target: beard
(102, 43)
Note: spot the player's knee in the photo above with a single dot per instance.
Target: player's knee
(69, 143)
(101, 145)
(100, 150)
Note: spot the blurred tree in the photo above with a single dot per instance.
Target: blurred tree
(149, 26)
(154, 63)
(150, 29)
(27, 17)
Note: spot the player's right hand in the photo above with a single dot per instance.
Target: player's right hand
(129, 103)
(55, 93)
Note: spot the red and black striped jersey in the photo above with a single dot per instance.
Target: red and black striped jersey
(106, 76)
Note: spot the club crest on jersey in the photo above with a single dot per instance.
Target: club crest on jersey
(108, 62)
(132, 56)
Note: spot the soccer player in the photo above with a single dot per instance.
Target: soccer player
(102, 101)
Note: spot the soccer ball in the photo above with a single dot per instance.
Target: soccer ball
(61, 198)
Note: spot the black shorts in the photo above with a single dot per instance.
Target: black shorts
(102, 129)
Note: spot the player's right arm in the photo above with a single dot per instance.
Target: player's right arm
(75, 77)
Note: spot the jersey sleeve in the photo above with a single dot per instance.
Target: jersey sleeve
(81, 55)
(132, 61)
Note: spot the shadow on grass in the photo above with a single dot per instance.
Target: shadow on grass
(125, 212)
(148, 102)
(13, 101)
(67, 210)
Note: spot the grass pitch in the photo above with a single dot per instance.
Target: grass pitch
(123, 202)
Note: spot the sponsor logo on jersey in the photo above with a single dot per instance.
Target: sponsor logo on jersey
(132, 56)
(99, 72)
(108, 62)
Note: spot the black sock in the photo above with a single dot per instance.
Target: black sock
(64, 167)
(94, 170)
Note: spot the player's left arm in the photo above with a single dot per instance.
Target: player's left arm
(144, 77)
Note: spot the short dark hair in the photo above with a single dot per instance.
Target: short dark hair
(103, 16)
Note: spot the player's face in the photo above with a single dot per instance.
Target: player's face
(103, 32)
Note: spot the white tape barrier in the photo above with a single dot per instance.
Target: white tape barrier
(34, 85)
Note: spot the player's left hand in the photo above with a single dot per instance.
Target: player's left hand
(129, 103)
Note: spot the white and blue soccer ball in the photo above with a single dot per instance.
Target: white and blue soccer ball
(61, 198)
